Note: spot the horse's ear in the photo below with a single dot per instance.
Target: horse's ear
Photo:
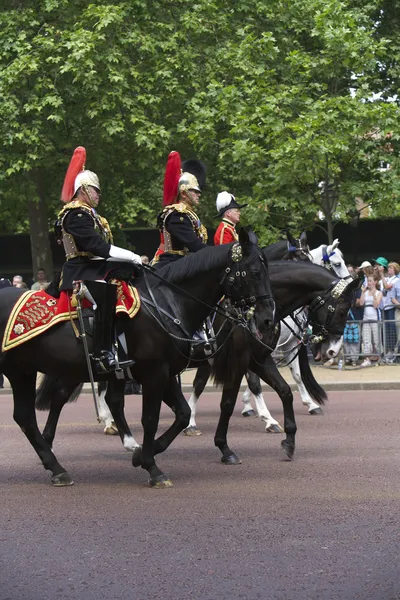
(335, 244)
(304, 241)
(291, 239)
(247, 236)
(324, 252)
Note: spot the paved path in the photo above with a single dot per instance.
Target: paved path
(323, 527)
(383, 377)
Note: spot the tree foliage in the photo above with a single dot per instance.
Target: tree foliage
(278, 98)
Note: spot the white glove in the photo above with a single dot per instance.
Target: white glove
(125, 255)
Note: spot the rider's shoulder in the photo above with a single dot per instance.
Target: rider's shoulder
(75, 208)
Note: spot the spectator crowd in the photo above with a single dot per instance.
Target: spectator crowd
(372, 333)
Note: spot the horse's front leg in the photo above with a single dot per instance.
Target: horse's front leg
(115, 400)
(269, 373)
(199, 383)
(24, 391)
(154, 384)
(228, 401)
(271, 424)
(175, 399)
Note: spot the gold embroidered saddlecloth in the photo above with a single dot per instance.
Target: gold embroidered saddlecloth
(35, 312)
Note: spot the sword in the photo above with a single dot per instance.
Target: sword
(87, 355)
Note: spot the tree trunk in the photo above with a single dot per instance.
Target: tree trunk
(39, 233)
(329, 227)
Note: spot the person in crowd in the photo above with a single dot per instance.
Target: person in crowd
(4, 282)
(396, 305)
(387, 284)
(370, 299)
(87, 239)
(351, 269)
(17, 280)
(41, 282)
(229, 211)
(352, 332)
(367, 269)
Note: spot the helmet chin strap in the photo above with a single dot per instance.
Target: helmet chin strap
(89, 195)
(190, 199)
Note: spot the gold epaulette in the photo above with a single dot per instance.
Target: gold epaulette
(75, 204)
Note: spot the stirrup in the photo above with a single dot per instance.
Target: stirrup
(105, 363)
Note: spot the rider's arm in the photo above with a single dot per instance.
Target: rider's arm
(81, 226)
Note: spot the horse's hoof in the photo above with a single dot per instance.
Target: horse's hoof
(161, 482)
(193, 430)
(111, 429)
(288, 449)
(274, 428)
(232, 459)
(316, 411)
(62, 480)
(137, 457)
(249, 413)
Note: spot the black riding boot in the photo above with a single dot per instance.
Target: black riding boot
(104, 337)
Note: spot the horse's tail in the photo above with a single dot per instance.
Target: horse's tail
(53, 387)
(231, 358)
(316, 392)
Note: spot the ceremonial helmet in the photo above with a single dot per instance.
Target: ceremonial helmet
(182, 177)
(226, 201)
(77, 176)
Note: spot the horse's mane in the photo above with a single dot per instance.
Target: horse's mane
(194, 264)
(302, 269)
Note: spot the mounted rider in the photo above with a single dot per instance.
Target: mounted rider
(181, 230)
(229, 210)
(87, 241)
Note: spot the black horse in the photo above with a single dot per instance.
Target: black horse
(54, 393)
(294, 285)
(158, 339)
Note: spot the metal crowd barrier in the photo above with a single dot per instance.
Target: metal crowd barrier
(377, 340)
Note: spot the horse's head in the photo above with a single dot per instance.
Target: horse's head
(331, 258)
(328, 315)
(296, 249)
(247, 285)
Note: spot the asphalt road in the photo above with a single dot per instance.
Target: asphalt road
(324, 526)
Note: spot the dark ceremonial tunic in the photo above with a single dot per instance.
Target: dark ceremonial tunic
(87, 239)
(226, 233)
(182, 232)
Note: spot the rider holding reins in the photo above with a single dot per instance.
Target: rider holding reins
(87, 241)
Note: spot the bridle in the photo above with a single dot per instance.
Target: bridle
(330, 298)
(235, 282)
(296, 252)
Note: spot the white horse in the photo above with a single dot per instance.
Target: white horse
(331, 258)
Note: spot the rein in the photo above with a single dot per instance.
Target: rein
(243, 316)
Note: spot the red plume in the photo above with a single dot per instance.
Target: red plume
(171, 178)
(74, 168)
